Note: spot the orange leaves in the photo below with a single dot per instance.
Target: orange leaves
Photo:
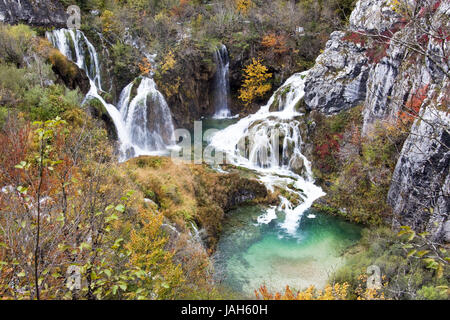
(276, 43)
(145, 67)
(411, 108)
(256, 83)
(335, 292)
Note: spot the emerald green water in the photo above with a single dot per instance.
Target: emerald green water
(250, 254)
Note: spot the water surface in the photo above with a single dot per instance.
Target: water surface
(251, 254)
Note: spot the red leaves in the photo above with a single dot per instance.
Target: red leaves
(327, 150)
(376, 53)
(356, 38)
(412, 106)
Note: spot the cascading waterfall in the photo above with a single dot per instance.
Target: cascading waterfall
(270, 143)
(149, 128)
(144, 122)
(222, 83)
(73, 45)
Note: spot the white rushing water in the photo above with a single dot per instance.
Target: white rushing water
(270, 143)
(222, 83)
(143, 122)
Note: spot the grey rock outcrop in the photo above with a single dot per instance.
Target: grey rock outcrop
(49, 13)
(338, 80)
(372, 16)
(420, 188)
(369, 65)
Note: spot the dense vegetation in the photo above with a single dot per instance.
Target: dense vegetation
(66, 201)
(183, 34)
(129, 228)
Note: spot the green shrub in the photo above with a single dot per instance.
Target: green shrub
(403, 277)
(3, 115)
(15, 41)
(48, 103)
(13, 79)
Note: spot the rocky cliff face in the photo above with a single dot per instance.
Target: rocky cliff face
(338, 80)
(370, 65)
(420, 188)
(48, 13)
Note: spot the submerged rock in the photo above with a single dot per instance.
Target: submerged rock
(297, 164)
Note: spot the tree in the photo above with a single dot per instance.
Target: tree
(61, 211)
(256, 83)
(243, 6)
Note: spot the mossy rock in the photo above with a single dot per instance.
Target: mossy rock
(98, 110)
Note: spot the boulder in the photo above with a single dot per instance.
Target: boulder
(297, 164)
(338, 80)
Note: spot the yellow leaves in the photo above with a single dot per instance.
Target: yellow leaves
(401, 7)
(255, 82)
(108, 21)
(335, 292)
(362, 292)
(243, 6)
(168, 63)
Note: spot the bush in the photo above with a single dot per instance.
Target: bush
(3, 116)
(13, 79)
(48, 103)
(16, 42)
(402, 277)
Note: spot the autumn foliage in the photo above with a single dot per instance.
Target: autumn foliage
(243, 6)
(335, 292)
(145, 67)
(256, 83)
(277, 43)
(411, 109)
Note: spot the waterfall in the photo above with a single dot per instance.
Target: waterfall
(149, 128)
(221, 83)
(270, 143)
(73, 44)
(143, 122)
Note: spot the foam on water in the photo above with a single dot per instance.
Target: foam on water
(144, 122)
(254, 143)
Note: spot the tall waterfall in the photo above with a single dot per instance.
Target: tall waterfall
(143, 122)
(221, 83)
(270, 143)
